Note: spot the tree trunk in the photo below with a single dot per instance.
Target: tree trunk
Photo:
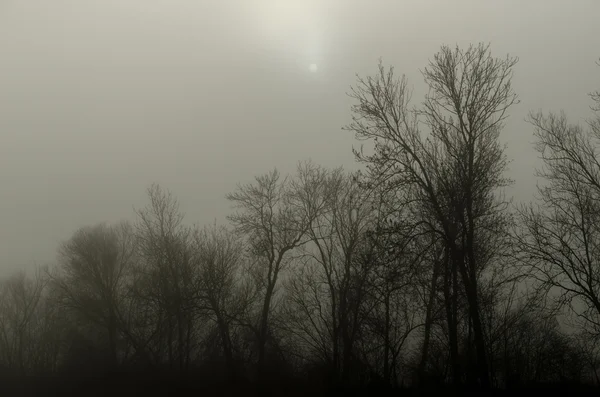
(450, 304)
(170, 344)
(482, 363)
(386, 356)
(262, 331)
(346, 357)
(335, 332)
(428, 324)
(112, 338)
(347, 342)
(471, 292)
(180, 338)
(21, 363)
(470, 280)
(227, 346)
(188, 340)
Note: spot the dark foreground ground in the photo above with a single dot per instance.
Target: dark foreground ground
(134, 386)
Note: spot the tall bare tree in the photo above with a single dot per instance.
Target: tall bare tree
(220, 286)
(326, 295)
(559, 234)
(455, 172)
(166, 277)
(411, 267)
(274, 220)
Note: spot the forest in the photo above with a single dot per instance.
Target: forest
(415, 274)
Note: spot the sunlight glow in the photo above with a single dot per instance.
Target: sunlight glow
(293, 26)
(287, 16)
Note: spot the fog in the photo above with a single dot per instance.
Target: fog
(100, 98)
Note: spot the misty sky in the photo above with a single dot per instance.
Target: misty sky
(100, 98)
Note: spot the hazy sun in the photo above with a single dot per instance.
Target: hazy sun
(293, 25)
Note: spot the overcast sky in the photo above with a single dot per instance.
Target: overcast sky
(100, 98)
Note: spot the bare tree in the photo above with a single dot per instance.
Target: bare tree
(596, 98)
(589, 347)
(20, 303)
(412, 266)
(220, 288)
(92, 277)
(166, 278)
(326, 295)
(274, 220)
(392, 310)
(454, 173)
(560, 233)
(51, 323)
(428, 285)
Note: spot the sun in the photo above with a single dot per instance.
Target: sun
(313, 67)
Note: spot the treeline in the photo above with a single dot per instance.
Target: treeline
(416, 272)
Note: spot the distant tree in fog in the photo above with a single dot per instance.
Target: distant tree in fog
(94, 265)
